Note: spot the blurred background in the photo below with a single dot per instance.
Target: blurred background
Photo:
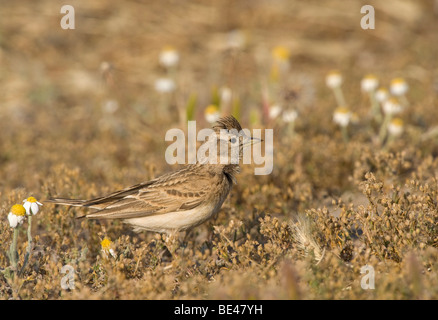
(91, 98)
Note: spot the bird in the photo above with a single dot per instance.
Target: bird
(182, 199)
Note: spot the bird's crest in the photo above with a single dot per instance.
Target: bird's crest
(228, 123)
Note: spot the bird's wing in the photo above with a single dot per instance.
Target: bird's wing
(166, 194)
(101, 202)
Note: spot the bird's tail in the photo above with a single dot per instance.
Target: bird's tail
(67, 202)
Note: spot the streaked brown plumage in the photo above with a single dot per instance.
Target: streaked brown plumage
(175, 201)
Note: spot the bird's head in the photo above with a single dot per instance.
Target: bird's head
(229, 140)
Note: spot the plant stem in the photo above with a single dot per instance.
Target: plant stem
(375, 108)
(339, 97)
(13, 254)
(384, 127)
(291, 129)
(345, 133)
(29, 244)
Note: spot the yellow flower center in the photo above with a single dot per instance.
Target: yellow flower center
(334, 73)
(281, 53)
(168, 49)
(397, 81)
(106, 243)
(211, 109)
(18, 210)
(397, 122)
(31, 199)
(370, 77)
(343, 110)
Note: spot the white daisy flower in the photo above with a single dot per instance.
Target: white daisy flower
(381, 95)
(342, 116)
(169, 57)
(333, 79)
(226, 95)
(17, 215)
(236, 39)
(289, 116)
(165, 85)
(31, 205)
(369, 83)
(110, 106)
(105, 66)
(395, 127)
(106, 245)
(392, 106)
(274, 111)
(212, 114)
(398, 87)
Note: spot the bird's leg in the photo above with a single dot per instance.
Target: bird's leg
(172, 242)
(184, 240)
(185, 237)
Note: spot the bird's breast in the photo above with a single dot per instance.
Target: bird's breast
(174, 221)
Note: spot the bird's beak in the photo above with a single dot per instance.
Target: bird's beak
(251, 140)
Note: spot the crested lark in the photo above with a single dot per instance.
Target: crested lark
(179, 200)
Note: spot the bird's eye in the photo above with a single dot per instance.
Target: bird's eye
(233, 140)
